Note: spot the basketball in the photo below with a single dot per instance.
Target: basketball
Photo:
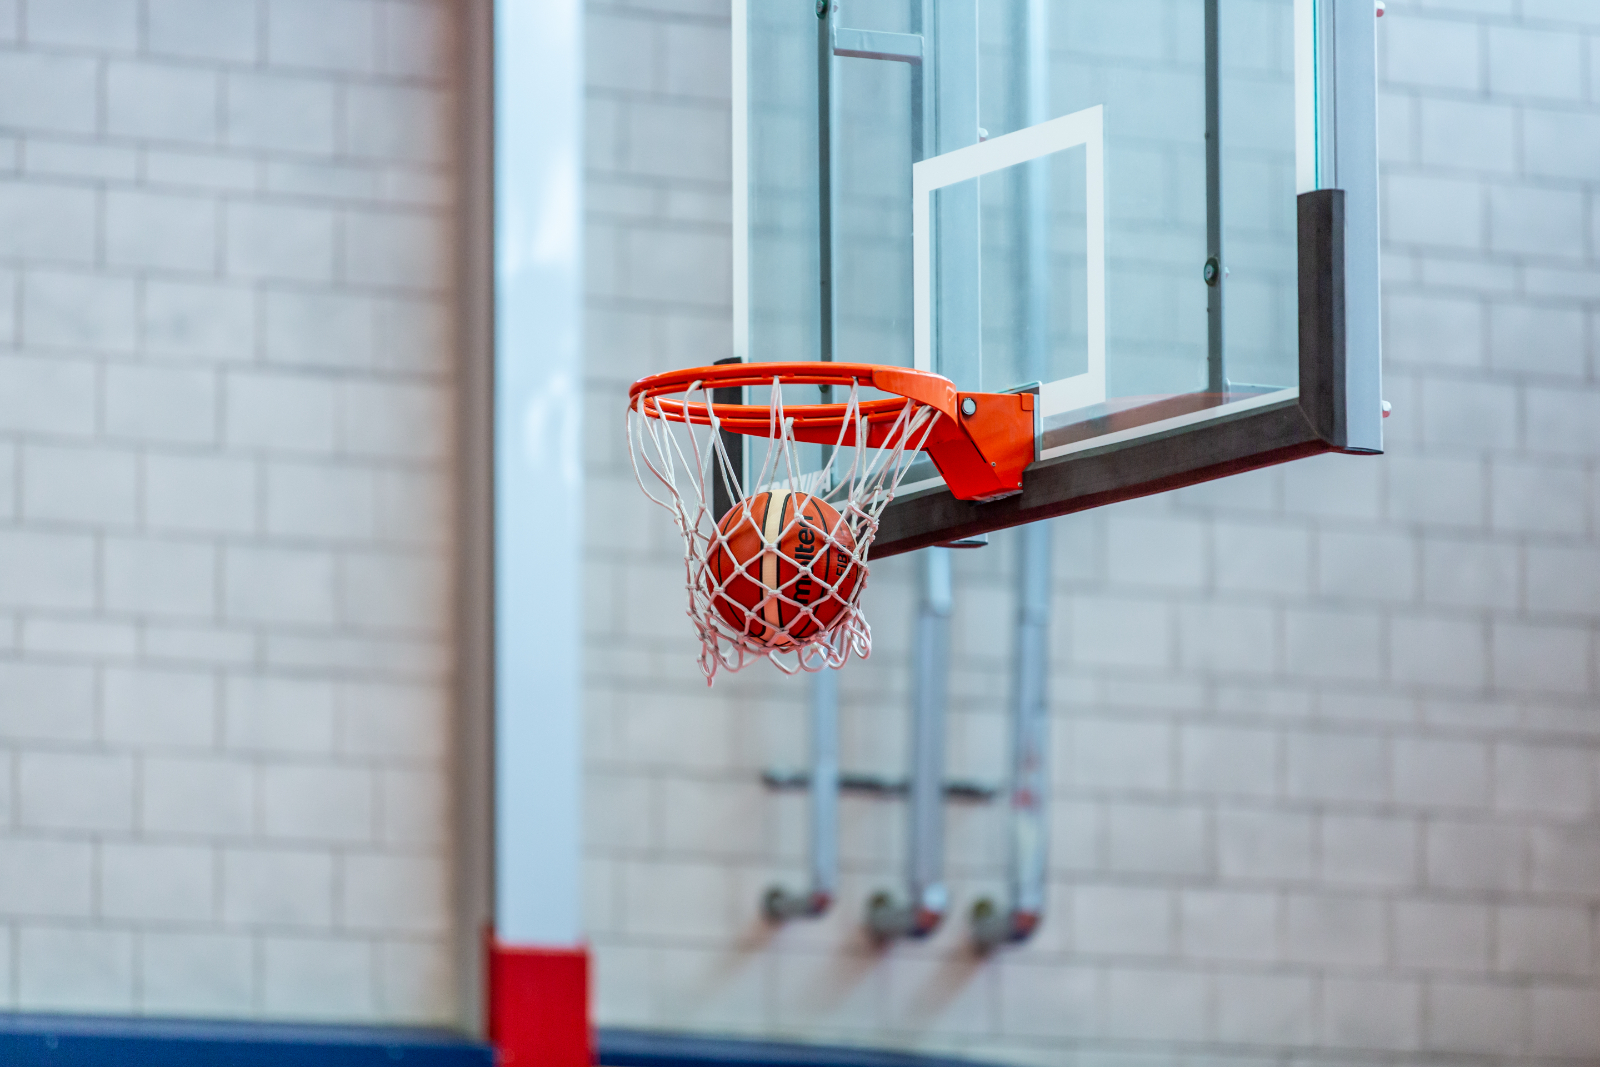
(796, 554)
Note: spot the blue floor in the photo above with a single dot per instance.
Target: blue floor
(82, 1041)
(646, 1048)
(93, 1041)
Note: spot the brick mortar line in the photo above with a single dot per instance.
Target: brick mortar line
(142, 57)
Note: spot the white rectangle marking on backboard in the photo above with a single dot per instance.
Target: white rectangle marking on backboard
(1084, 128)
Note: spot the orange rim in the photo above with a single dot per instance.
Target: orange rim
(658, 391)
(981, 442)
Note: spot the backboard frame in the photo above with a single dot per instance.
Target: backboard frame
(1186, 449)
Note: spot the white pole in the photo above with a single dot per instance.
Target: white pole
(538, 282)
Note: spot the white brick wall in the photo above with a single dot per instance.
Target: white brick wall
(226, 377)
(1325, 751)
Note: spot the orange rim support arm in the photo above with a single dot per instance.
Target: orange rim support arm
(981, 456)
(985, 458)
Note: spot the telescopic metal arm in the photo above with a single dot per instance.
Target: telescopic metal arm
(992, 924)
(923, 909)
(782, 904)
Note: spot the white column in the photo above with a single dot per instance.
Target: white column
(538, 280)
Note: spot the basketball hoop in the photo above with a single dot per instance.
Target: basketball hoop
(779, 574)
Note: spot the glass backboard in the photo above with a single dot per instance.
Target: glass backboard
(1160, 215)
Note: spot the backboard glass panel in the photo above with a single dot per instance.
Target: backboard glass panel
(1104, 202)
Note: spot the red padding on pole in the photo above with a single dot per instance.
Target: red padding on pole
(539, 1006)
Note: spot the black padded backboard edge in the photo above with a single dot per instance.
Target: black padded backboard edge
(1188, 455)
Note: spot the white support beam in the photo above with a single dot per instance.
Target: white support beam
(538, 492)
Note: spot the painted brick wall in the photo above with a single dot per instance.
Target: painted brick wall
(1326, 738)
(225, 436)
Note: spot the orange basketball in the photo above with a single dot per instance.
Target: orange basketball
(782, 543)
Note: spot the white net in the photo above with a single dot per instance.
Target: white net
(781, 576)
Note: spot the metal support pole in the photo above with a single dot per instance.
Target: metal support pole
(927, 897)
(1034, 218)
(722, 493)
(824, 789)
(1216, 271)
(1030, 208)
(1033, 222)
(827, 173)
(1030, 740)
(930, 697)
(922, 84)
(1030, 708)
(957, 210)
(781, 904)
